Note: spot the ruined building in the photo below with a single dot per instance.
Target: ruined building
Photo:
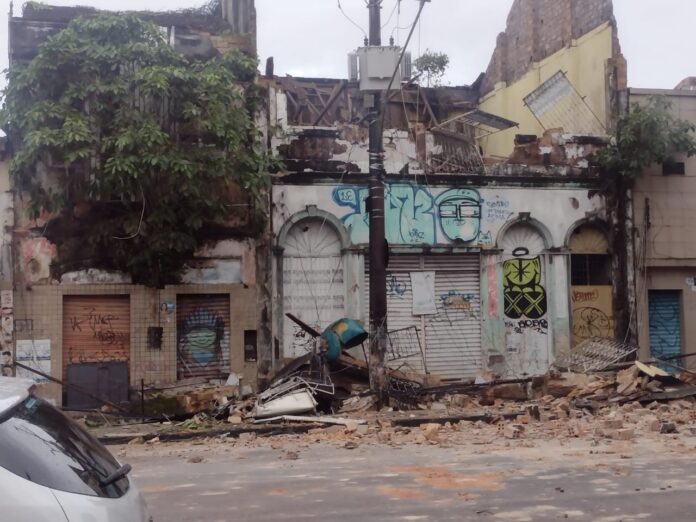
(499, 255)
(94, 327)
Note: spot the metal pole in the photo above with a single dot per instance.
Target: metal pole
(377, 246)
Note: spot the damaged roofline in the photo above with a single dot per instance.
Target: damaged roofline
(532, 179)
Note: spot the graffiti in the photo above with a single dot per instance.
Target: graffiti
(537, 325)
(412, 214)
(524, 295)
(485, 239)
(497, 210)
(457, 300)
(590, 322)
(200, 337)
(584, 296)
(302, 341)
(395, 288)
(101, 326)
(459, 211)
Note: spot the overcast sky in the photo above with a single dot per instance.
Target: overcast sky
(312, 37)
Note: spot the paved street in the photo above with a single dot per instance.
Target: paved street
(291, 479)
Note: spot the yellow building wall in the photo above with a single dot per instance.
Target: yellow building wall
(583, 62)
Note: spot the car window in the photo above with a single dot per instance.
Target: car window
(39, 443)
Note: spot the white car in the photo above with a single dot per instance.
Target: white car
(52, 470)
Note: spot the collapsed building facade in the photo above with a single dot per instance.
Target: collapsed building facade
(499, 249)
(500, 239)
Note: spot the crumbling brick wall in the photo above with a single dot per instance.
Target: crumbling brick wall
(538, 28)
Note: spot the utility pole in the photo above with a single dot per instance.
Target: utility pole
(378, 245)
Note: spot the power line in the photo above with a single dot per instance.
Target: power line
(350, 19)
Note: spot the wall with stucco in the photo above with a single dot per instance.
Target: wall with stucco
(442, 219)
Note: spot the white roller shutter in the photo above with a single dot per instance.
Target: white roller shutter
(451, 339)
(453, 336)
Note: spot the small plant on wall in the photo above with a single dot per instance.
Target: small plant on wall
(146, 150)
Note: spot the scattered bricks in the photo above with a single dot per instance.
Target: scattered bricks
(247, 436)
(460, 401)
(523, 419)
(362, 429)
(654, 425)
(625, 434)
(668, 427)
(235, 419)
(384, 437)
(334, 429)
(513, 431)
(431, 432)
(514, 391)
(577, 428)
(351, 426)
(614, 424)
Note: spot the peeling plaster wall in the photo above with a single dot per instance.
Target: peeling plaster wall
(417, 220)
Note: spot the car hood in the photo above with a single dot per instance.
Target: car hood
(83, 508)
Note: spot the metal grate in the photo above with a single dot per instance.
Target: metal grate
(404, 346)
(594, 354)
(556, 103)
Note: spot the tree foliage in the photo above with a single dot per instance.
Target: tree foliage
(646, 135)
(130, 127)
(433, 65)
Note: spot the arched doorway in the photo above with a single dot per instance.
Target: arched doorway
(525, 300)
(313, 286)
(590, 280)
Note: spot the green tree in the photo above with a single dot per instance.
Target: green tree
(646, 135)
(432, 65)
(152, 144)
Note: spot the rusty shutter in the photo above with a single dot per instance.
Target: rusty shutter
(203, 335)
(96, 329)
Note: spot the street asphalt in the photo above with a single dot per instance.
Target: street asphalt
(552, 480)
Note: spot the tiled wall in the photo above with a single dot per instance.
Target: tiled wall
(38, 313)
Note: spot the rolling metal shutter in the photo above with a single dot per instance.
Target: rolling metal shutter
(452, 340)
(400, 309)
(664, 314)
(453, 336)
(203, 335)
(96, 329)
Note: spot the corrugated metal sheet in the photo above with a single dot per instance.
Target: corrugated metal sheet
(96, 328)
(452, 340)
(203, 335)
(664, 313)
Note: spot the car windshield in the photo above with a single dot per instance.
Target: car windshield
(39, 443)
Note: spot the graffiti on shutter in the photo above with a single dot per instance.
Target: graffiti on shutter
(96, 329)
(203, 335)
